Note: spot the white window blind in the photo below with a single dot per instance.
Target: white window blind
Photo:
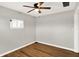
(15, 24)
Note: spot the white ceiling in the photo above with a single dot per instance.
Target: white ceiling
(55, 7)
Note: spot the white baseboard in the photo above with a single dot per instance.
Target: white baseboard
(59, 46)
(17, 48)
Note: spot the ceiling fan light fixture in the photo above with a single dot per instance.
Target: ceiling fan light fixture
(38, 4)
(36, 10)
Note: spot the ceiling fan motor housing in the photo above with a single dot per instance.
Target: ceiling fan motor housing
(35, 5)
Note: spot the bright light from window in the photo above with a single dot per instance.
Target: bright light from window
(14, 23)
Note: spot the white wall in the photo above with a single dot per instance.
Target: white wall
(57, 29)
(77, 18)
(11, 39)
(78, 30)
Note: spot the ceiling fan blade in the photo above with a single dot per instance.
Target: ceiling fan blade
(40, 3)
(30, 10)
(28, 6)
(45, 7)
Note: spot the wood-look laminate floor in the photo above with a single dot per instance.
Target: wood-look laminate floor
(42, 50)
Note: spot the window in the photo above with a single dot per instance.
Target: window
(15, 24)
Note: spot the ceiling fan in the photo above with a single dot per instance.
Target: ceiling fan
(37, 6)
